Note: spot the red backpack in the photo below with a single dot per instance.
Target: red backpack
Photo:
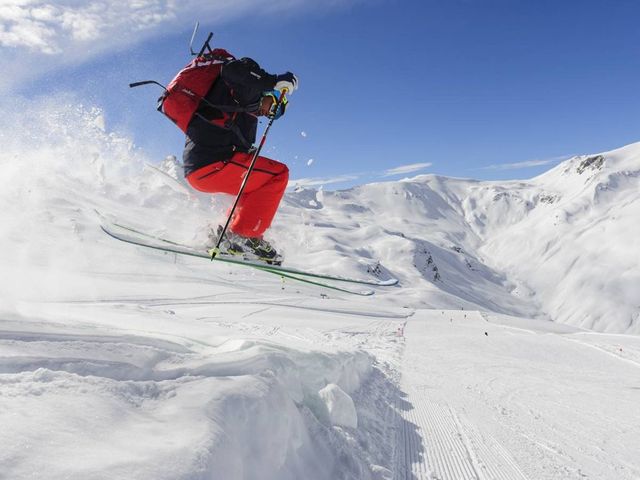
(187, 90)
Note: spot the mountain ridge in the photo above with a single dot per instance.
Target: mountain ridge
(525, 234)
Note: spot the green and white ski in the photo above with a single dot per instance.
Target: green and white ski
(136, 237)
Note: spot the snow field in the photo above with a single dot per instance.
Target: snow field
(502, 397)
(120, 362)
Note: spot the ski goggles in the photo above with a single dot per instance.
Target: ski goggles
(277, 108)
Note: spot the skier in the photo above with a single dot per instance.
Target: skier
(218, 152)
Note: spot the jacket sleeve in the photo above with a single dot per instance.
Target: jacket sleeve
(247, 80)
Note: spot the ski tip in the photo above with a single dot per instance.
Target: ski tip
(360, 293)
(388, 283)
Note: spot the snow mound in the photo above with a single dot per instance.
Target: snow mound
(340, 406)
(147, 407)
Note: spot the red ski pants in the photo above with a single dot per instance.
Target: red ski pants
(261, 196)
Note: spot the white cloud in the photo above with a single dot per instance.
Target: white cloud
(404, 169)
(39, 35)
(310, 182)
(350, 177)
(526, 163)
(309, 162)
(57, 27)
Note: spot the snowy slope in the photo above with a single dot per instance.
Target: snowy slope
(497, 397)
(562, 245)
(120, 362)
(577, 245)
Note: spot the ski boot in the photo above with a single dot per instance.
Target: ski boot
(249, 248)
(262, 250)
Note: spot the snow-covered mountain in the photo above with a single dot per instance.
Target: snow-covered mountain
(563, 245)
(117, 361)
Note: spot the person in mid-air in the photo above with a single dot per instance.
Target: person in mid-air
(218, 151)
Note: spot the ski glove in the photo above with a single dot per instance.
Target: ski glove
(286, 80)
(275, 95)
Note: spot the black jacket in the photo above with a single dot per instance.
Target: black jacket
(213, 135)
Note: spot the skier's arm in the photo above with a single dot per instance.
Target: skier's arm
(247, 79)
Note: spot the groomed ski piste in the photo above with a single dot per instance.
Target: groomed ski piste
(509, 349)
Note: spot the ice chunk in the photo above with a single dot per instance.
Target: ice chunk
(341, 409)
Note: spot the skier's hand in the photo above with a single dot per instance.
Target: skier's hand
(271, 104)
(286, 80)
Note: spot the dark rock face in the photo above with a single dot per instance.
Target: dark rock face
(594, 162)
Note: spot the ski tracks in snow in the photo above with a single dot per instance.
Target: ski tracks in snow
(511, 399)
(444, 446)
(435, 441)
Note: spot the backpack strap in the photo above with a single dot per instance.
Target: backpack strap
(145, 82)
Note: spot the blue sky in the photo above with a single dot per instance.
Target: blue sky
(488, 89)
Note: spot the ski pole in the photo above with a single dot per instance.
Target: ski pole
(216, 250)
